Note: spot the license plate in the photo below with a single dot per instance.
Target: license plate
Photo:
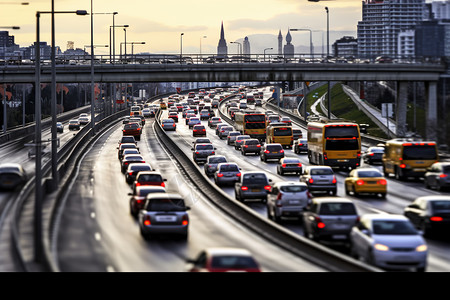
(166, 218)
(420, 170)
(371, 182)
(339, 237)
(342, 160)
(294, 202)
(274, 152)
(339, 226)
(256, 190)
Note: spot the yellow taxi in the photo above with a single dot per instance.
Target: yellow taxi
(366, 180)
(162, 105)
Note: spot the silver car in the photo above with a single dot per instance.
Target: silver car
(239, 139)
(211, 163)
(227, 173)
(389, 241)
(231, 137)
(287, 199)
(164, 213)
(319, 179)
(329, 218)
(223, 132)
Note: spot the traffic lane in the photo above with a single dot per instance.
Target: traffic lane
(119, 232)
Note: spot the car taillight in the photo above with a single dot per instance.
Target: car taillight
(382, 181)
(147, 221)
(436, 219)
(138, 184)
(163, 184)
(197, 152)
(371, 154)
(267, 187)
(443, 175)
(266, 151)
(174, 125)
(219, 175)
(299, 165)
(185, 220)
(238, 174)
(244, 188)
(281, 151)
(258, 146)
(402, 166)
(325, 156)
(311, 180)
(360, 182)
(130, 173)
(300, 144)
(358, 154)
(245, 146)
(283, 165)
(334, 179)
(319, 223)
(213, 152)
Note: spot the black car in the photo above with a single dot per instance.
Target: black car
(138, 197)
(133, 169)
(59, 127)
(12, 175)
(272, 151)
(438, 176)
(211, 163)
(430, 214)
(251, 146)
(252, 185)
(202, 151)
(289, 165)
(373, 155)
(129, 159)
(123, 147)
(301, 146)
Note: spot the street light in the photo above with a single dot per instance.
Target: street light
(265, 52)
(95, 46)
(203, 37)
(132, 46)
(311, 49)
(181, 47)
(114, 39)
(239, 47)
(110, 46)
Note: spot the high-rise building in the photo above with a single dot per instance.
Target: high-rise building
(280, 43)
(346, 46)
(246, 46)
(222, 48)
(382, 21)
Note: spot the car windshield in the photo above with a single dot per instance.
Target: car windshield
(145, 191)
(291, 161)
(229, 168)
(255, 178)
(166, 205)
(233, 262)
(293, 188)
(133, 157)
(204, 147)
(370, 173)
(321, 171)
(338, 208)
(252, 142)
(282, 131)
(376, 150)
(393, 227)
(128, 140)
(203, 141)
(440, 205)
(131, 126)
(217, 159)
(150, 178)
(140, 167)
(274, 147)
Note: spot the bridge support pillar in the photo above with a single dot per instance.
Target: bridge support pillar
(431, 110)
(401, 108)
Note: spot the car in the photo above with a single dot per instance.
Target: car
(227, 173)
(12, 175)
(289, 165)
(188, 116)
(133, 169)
(301, 146)
(219, 126)
(168, 124)
(174, 116)
(373, 155)
(129, 159)
(133, 129)
(319, 179)
(390, 242)
(297, 133)
(430, 214)
(204, 114)
(366, 180)
(83, 120)
(212, 122)
(251, 146)
(202, 140)
(273, 119)
(136, 119)
(130, 151)
(232, 111)
(83, 115)
(286, 120)
(202, 151)
(231, 137)
(258, 102)
(141, 118)
(127, 139)
(223, 259)
(198, 130)
(149, 178)
(146, 112)
(437, 176)
(124, 146)
(329, 219)
(252, 185)
(139, 195)
(211, 163)
(239, 140)
(194, 121)
(126, 120)
(164, 213)
(224, 130)
(272, 151)
(59, 127)
(74, 124)
(287, 199)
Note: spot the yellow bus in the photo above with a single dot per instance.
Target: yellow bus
(280, 133)
(334, 143)
(408, 158)
(253, 124)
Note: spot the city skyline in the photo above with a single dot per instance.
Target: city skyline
(160, 27)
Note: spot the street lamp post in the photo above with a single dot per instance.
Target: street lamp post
(203, 37)
(181, 48)
(125, 50)
(239, 47)
(328, 54)
(265, 53)
(311, 48)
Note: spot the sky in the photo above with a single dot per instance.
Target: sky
(160, 23)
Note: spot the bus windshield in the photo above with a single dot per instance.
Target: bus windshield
(419, 152)
(342, 145)
(282, 131)
(341, 131)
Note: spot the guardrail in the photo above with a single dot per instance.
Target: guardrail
(274, 233)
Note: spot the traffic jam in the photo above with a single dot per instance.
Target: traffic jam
(310, 176)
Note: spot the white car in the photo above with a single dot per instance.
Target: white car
(389, 242)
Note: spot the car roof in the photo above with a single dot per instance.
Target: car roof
(11, 165)
(331, 199)
(227, 251)
(164, 196)
(434, 198)
(151, 187)
(384, 216)
(285, 183)
(319, 167)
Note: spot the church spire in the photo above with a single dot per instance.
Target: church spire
(222, 48)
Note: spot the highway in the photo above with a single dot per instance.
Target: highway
(109, 239)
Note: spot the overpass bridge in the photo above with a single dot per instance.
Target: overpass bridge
(240, 71)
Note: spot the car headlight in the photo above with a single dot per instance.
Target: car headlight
(381, 247)
(422, 248)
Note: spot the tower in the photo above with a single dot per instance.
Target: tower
(280, 43)
(222, 48)
(246, 46)
(288, 48)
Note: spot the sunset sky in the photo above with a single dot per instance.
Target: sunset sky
(160, 23)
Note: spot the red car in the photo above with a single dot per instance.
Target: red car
(199, 130)
(133, 129)
(174, 116)
(224, 260)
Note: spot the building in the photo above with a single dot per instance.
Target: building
(288, 48)
(346, 46)
(8, 48)
(406, 44)
(382, 21)
(222, 48)
(246, 46)
(430, 39)
(280, 43)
